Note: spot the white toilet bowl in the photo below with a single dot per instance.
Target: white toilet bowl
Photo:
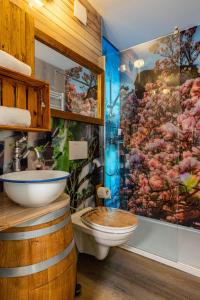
(97, 241)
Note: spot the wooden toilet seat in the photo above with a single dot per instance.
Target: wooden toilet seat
(109, 219)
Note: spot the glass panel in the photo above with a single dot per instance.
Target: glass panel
(190, 128)
(148, 143)
(150, 106)
(73, 87)
(112, 124)
(189, 200)
(159, 142)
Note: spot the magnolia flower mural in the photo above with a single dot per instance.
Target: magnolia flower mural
(161, 133)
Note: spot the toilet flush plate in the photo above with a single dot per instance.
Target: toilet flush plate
(78, 150)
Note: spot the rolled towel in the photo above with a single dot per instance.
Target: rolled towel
(10, 62)
(11, 116)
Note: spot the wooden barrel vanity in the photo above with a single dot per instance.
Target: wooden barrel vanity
(37, 251)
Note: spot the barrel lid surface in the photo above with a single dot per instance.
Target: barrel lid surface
(12, 214)
(103, 217)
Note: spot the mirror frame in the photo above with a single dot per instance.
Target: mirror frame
(57, 46)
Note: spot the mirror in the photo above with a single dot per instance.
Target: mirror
(75, 91)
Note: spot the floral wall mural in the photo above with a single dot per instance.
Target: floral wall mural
(54, 149)
(160, 121)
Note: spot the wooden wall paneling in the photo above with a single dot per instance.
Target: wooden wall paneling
(17, 32)
(56, 19)
(60, 36)
(93, 21)
(5, 25)
(61, 18)
(61, 32)
(66, 51)
(29, 41)
(23, 36)
(92, 13)
(56, 26)
(81, 31)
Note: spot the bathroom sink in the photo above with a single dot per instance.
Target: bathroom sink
(34, 188)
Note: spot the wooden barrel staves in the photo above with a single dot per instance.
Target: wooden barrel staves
(38, 259)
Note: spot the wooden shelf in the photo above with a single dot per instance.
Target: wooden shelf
(25, 92)
(29, 80)
(75, 117)
(26, 129)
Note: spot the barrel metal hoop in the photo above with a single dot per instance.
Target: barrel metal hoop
(46, 218)
(35, 268)
(19, 236)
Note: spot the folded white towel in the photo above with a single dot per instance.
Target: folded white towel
(11, 116)
(10, 62)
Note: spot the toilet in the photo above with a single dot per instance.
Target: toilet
(98, 229)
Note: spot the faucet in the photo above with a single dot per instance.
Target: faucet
(20, 153)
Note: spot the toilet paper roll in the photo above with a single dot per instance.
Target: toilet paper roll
(104, 193)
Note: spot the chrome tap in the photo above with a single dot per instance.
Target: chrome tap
(21, 152)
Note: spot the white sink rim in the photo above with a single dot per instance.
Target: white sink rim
(48, 176)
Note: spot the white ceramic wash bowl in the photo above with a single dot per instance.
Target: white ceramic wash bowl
(34, 188)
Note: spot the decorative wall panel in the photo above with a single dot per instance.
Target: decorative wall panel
(160, 120)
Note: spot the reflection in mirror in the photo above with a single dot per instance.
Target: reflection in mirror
(73, 87)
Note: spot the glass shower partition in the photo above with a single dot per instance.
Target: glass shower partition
(142, 140)
(156, 147)
(112, 124)
(150, 108)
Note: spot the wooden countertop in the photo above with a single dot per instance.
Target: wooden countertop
(12, 214)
